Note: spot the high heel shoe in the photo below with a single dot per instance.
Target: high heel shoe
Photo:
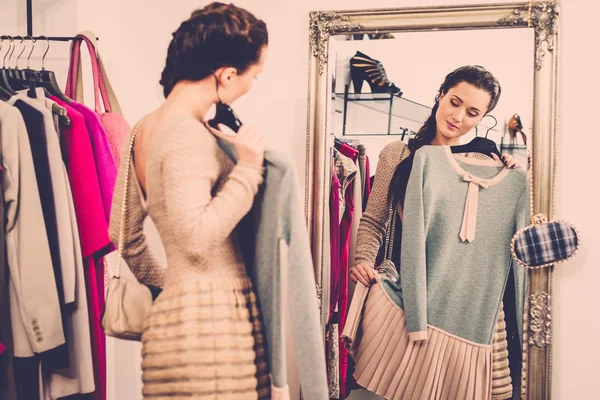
(364, 68)
(515, 126)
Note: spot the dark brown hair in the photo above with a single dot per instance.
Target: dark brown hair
(472, 74)
(218, 35)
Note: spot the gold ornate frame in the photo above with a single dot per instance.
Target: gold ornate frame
(543, 18)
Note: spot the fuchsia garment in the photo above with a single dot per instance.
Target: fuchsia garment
(345, 228)
(93, 231)
(334, 229)
(106, 166)
(83, 176)
(95, 295)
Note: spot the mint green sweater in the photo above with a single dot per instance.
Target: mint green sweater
(459, 217)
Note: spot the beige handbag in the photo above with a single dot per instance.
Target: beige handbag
(128, 302)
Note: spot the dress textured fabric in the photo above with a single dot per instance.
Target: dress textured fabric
(203, 338)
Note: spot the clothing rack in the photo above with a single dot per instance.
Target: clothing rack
(29, 4)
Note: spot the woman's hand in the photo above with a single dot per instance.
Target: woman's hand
(508, 160)
(249, 144)
(364, 273)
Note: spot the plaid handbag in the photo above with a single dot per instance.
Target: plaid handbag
(545, 243)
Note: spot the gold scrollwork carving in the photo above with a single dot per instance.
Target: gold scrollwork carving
(543, 17)
(540, 320)
(322, 26)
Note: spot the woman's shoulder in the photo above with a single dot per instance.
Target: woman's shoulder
(180, 133)
(394, 152)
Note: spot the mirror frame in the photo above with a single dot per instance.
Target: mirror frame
(543, 17)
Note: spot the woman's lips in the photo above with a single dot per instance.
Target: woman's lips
(452, 126)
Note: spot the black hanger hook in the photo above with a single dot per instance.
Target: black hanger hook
(12, 41)
(32, 48)
(22, 51)
(46, 52)
(496, 123)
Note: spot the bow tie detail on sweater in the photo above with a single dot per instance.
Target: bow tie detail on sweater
(469, 224)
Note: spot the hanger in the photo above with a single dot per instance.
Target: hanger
(47, 78)
(4, 71)
(17, 80)
(14, 75)
(480, 144)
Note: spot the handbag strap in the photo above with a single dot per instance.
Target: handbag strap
(102, 87)
(391, 226)
(74, 87)
(124, 202)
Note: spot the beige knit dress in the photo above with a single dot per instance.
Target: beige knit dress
(203, 339)
(370, 237)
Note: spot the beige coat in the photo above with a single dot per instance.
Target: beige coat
(35, 311)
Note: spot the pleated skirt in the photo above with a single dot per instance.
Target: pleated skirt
(502, 388)
(204, 340)
(389, 364)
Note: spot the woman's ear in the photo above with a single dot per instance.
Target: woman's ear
(225, 75)
(228, 74)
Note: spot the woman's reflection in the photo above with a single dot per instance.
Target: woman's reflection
(438, 337)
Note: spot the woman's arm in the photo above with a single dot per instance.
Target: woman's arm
(374, 221)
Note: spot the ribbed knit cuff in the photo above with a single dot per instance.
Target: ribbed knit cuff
(417, 336)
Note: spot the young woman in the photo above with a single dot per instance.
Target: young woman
(203, 336)
(464, 98)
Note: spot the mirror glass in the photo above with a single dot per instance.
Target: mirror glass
(367, 117)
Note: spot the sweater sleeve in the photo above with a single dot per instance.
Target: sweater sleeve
(302, 295)
(375, 218)
(190, 169)
(522, 219)
(136, 252)
(413, 253)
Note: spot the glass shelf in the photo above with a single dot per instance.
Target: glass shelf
(394, 106)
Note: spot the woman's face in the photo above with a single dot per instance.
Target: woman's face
(460, 110)
(237, 85)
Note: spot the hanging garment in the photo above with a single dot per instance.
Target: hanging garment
(58, 186)
(334, 228)
(356, 217)
(34, 120)
(345, 235)
(82, 171)
(106, 166)
(7, 374)
(276, 216)
(332, 338)
(186, 351)
(434, 308)
(34, 301)
(93, 233)
(36, 129)
(368, 184)
(78, 377)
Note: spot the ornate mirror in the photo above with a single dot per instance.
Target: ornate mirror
(374, 77)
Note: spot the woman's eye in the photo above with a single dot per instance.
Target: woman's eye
(455, 104)
(473, 115)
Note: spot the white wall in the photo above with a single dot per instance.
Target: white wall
(133, 43)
